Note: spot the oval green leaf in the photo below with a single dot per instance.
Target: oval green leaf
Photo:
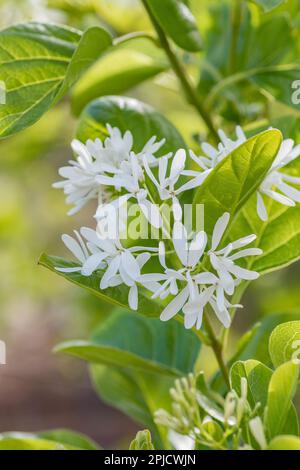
(139, 343)
(177, 20)
(38, 64)
(128, 114)
(284, 343)
(233, 181)
(114, 295)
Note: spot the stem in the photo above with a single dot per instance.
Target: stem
(136, 35)
(217, 348)
(187, 86)
(235, 29)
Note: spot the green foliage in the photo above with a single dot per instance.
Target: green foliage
(128, 113)
(57, 439)
(281, 391)
(115, 295)
(278, 237)
(268, 5)
(284, 343)
(229, 186)
(177, 20)
(165, 349)
(135, 393)
(285, 443)
(39, 63)
(124, 67)
(142, 441)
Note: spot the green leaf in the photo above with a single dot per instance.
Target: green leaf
(128, 114)
(140, 343)
(57, 439)
(38, 64)
(178, 22)
(134, 393)
(115, 295)
(282, 388)
(285, 443)
(232, 182)
(259, 64)
(258, 377)
(254, 344)
(142, 441)
(118, 71)
(284, 343)
(267, 5)
(71, 438)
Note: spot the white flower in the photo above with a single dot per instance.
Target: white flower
(188, 298)
(278, 180)
(213, 156)
(96, 164)
(131, 178)
(78, 249)
(119, 263)
(275, 179)
(165, 184)
(223, 260)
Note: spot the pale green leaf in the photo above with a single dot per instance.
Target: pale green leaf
(140, 343)
(284, 343)
(115, 295)
(142, 441)
(136, 394)
(285, 443)
(177, 20)
(282, 388)
(258, 377)
(233, 181)
(38, 64)
(118, 71)
(268, 5)
(128, 114)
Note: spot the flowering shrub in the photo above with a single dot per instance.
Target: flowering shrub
(179, 230)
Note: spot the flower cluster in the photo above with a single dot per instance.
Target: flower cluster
(277, 183)
(192, 272)
(200, 417)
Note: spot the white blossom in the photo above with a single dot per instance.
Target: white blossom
(97, 163)
(276, 180)
(223, 260)
(277, 184)
(119, 264)
(165, 183)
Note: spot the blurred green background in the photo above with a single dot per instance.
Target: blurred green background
(40, 390)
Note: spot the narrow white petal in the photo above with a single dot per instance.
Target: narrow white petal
(74, 247)
(180, 242)
(92, 263)
(197, 247)
(130, 265)
(243, 242)
(280, 198)
(261, 208)
(133, 297)
(177, 211)
(246, 252)
(205, 278)
(178, 164)
(111, 271)
(289, 191)
(142, 259)
(175, 305)
(219, 229)
(242, 273)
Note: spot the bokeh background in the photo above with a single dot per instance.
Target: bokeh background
(38, 389)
